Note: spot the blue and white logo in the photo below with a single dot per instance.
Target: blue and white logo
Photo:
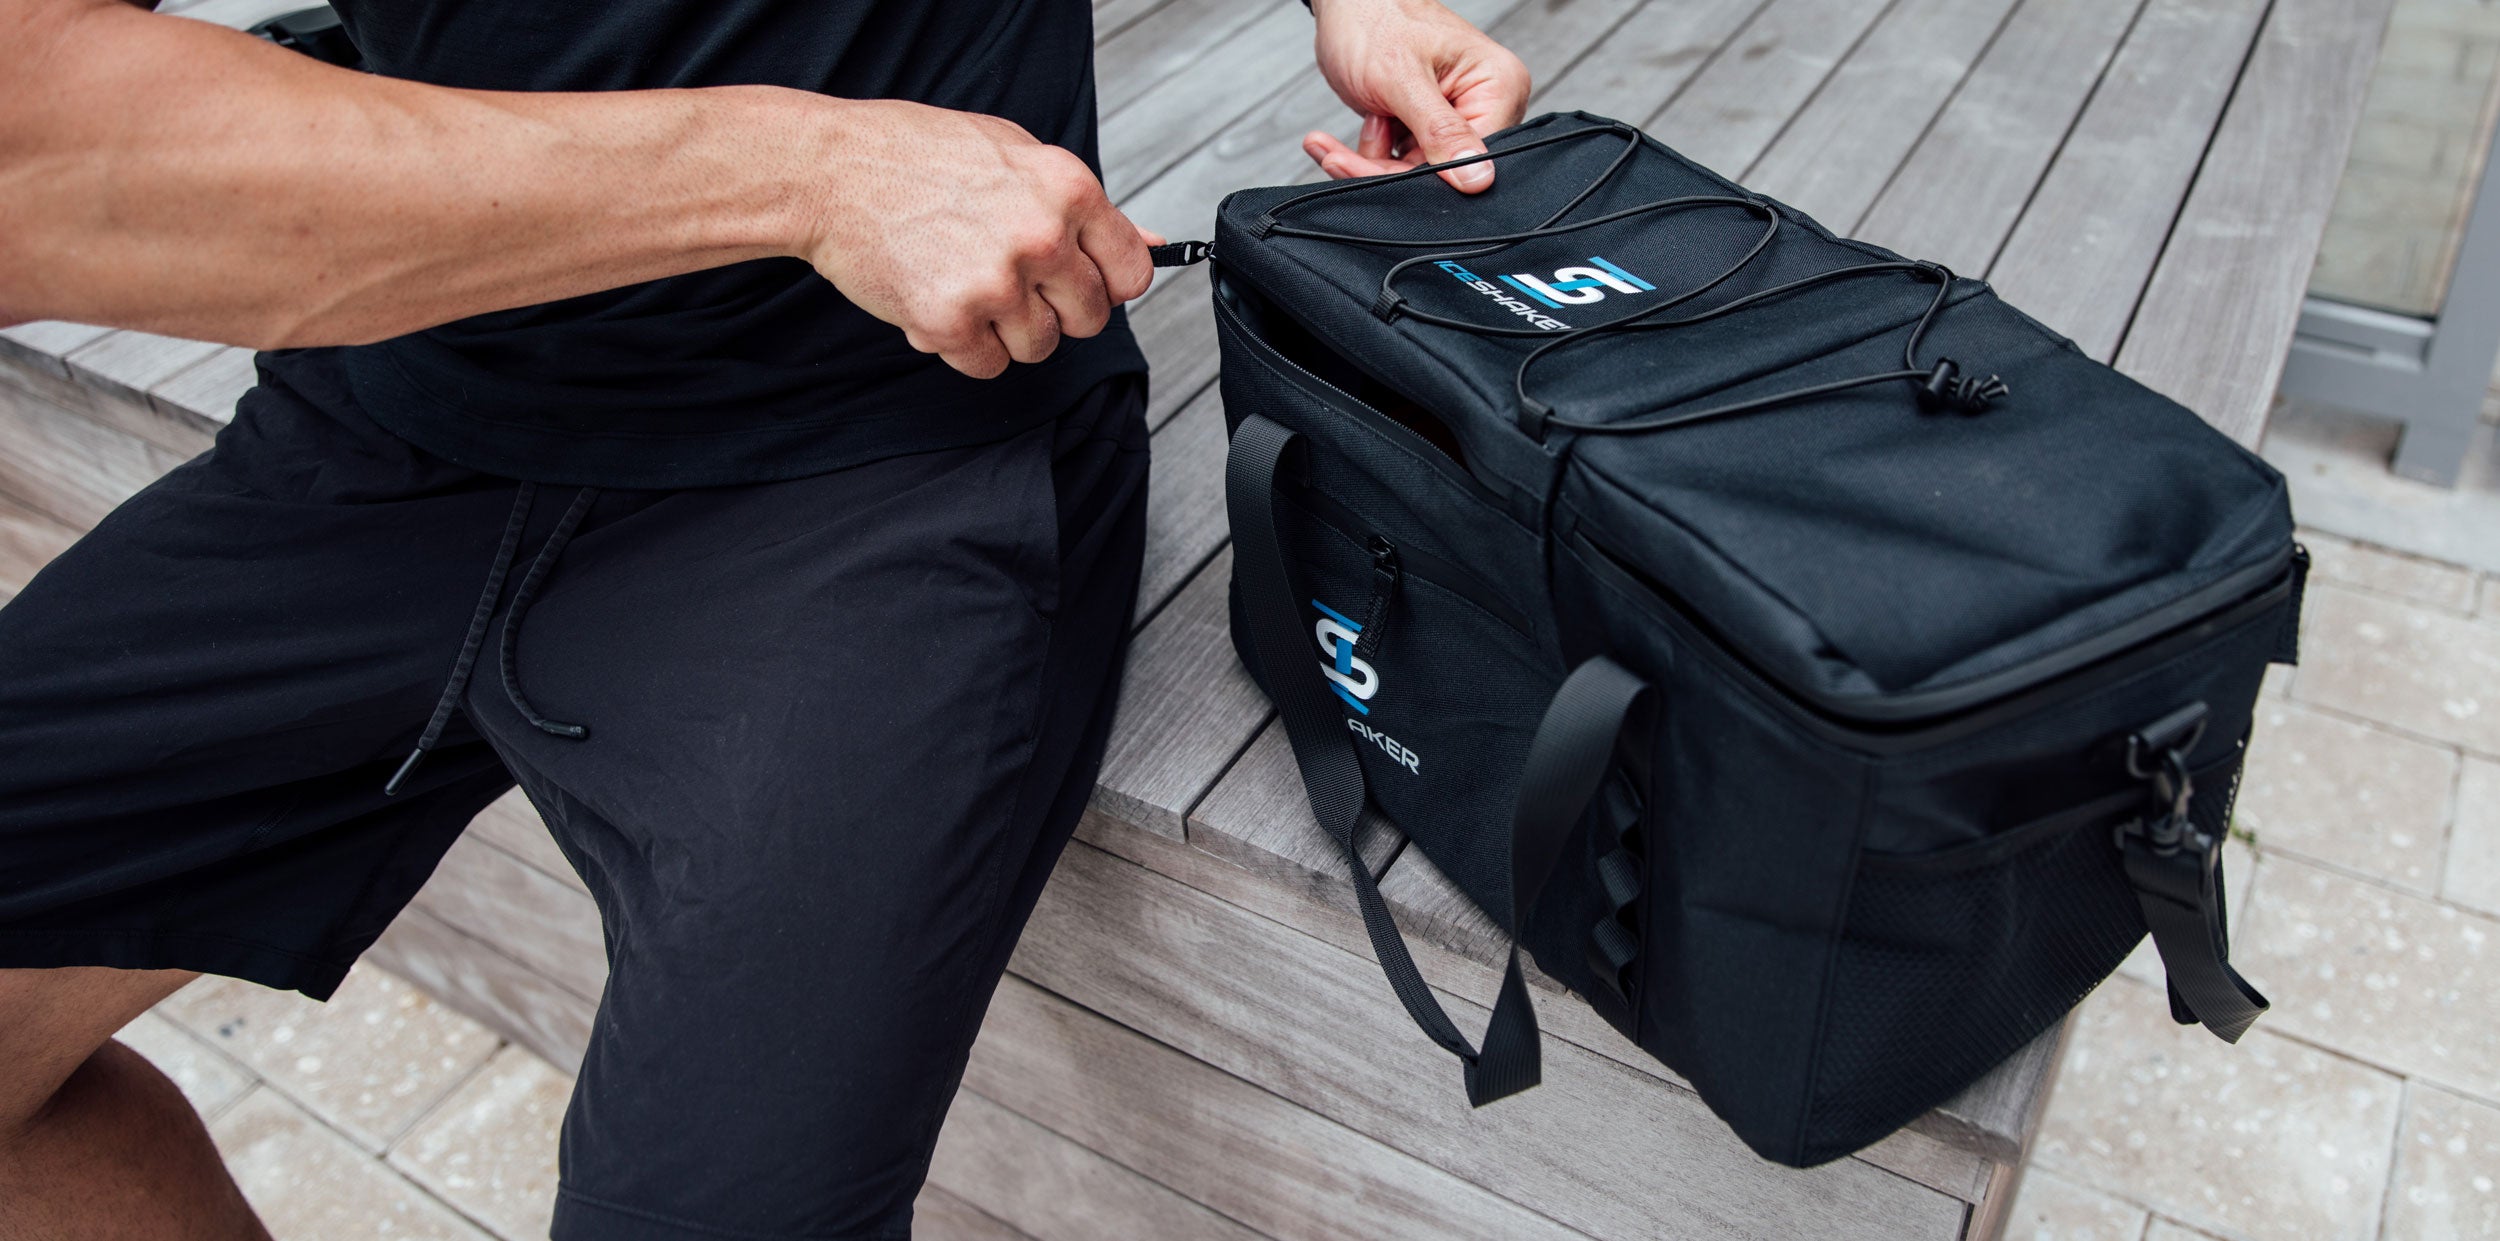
(1579, 286)
(1355, 680)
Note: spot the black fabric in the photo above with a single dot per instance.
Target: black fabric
(838, 730)
(1905, 572)
(1569, 755)
(745, 373)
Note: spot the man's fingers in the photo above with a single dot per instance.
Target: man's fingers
(1077, 296)
(1030, 332)
(1118, 249)
(1340, 161)
(1379, 139)
(1441, 134)
(979, 354)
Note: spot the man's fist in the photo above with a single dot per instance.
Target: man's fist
(980, 242)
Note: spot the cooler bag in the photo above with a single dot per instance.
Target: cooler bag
(1826, 672)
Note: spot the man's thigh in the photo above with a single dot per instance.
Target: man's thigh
(200, 700)
(838, 729)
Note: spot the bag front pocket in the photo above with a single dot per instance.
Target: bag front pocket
(1953, 960)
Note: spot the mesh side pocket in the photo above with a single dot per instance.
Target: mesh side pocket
(1953, 961)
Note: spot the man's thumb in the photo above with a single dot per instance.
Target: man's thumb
(1443, 135)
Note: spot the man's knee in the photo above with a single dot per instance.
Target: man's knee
(52, 1021)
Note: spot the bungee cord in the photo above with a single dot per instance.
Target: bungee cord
(1941, 385)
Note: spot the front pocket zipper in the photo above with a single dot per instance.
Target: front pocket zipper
(1391, 561)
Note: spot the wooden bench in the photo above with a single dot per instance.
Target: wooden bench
(1193, 1040)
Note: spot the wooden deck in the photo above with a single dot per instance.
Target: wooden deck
(1194, 1041)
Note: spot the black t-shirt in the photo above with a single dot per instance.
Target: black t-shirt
(745, 373)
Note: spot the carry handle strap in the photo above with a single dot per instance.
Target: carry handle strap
(2174, 864)
(1574, 742)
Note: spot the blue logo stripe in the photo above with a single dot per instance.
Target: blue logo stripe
(1625, 276)
(1337, 616)
(1350, 700)
(1531, 292)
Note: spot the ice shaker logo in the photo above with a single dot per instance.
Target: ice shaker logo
(1355, 680)
(1579, 286)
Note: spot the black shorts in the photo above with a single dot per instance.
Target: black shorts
(837, 730)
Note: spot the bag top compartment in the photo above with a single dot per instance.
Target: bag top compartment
(1878, 558)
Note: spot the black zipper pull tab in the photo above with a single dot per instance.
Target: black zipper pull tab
(1181, 253)
(1385, 574)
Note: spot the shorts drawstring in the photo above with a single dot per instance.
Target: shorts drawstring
(466, 663)
(521, 599)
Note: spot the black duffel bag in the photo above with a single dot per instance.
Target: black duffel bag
(1826, 671)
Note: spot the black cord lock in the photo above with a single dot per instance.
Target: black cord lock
(1946, 388)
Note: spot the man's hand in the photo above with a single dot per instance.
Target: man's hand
(980, 242)
(1428, 85)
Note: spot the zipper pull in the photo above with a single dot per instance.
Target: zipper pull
(1385, 574)
(1181, 253)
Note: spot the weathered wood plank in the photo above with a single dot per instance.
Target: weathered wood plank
(941, 1216)
(1643, 63)
(1741, 101)
(205, 393)
(28, 541)
(1258, 818)
(1052, 1189)
(39, 345)
(1598, 1147)
(67, 466)
(525, 913)
(1961, 189)
(129, 363)
(1844, 145)
(1161, 44)
(1218, 1139)
(2079, 257)
(1186, 709)
(1175, 329)
(112, 406)
(478, 979)
(1172, 117)
(1185, 521)
(512, 825)
(1114, 16)
(2218, 314)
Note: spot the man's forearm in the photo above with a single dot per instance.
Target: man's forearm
(165, 174)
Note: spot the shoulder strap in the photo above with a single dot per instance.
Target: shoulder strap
(1574, 742)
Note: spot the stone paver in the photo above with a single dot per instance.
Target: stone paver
(2389, 573)
(2397, 980)
(2362, 798)
(2447, 1182)
(369, 1062)
(2266, 1139)
(2416, 668)
(2473, 878)
(310, 1183)
(210, 1079)
(2173, 1230)
(2051, 1208)
(490, 1149)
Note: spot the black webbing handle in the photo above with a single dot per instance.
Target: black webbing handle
(2174, 863)
(1574, 742)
